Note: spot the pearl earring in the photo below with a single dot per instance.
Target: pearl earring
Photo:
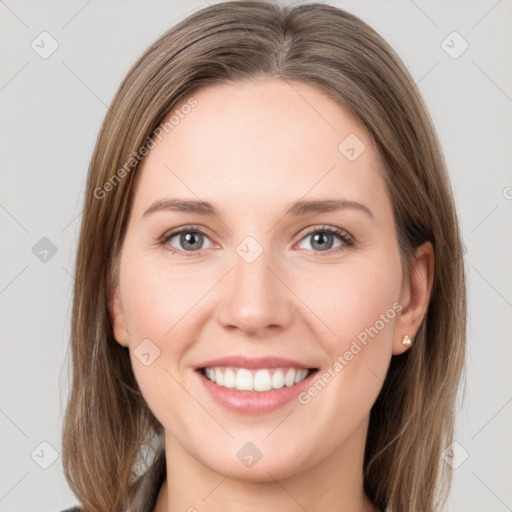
(406, 340)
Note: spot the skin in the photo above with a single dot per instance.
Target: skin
(251, 150)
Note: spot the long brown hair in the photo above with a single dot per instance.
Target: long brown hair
(107, 424)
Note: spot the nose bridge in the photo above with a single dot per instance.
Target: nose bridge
(251, 274)
(254, 297)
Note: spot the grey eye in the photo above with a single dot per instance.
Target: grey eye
(322, 241)
(188, 240)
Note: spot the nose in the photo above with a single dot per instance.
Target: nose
(255, 299)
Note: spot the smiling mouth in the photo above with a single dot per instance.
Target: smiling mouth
(259, 380)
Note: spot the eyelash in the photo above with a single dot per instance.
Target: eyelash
(347, 239)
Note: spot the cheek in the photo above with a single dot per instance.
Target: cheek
(352, 300)
(361, 307)
(163, 303)
(161, 300)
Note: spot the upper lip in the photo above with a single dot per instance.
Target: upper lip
(256, 362)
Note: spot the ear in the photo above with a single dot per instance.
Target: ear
(116, 311)
(414, 297)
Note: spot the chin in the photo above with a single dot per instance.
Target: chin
(250, 464)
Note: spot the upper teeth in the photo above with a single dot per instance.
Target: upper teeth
(244, 379)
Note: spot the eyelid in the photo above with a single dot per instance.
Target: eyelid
(327, 228)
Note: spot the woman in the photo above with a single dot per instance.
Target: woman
(269, 308)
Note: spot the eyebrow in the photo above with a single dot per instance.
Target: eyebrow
(297, 208)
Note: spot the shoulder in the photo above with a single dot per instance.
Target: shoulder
(72, 509)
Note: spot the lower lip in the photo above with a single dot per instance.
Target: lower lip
(254, 402)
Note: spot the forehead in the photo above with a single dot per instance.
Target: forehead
(267, 140)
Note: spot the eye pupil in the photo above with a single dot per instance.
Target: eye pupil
(319, 238)
(187, 240)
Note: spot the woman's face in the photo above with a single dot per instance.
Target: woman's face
(263, 287)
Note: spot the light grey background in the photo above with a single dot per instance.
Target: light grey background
(51, 111)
